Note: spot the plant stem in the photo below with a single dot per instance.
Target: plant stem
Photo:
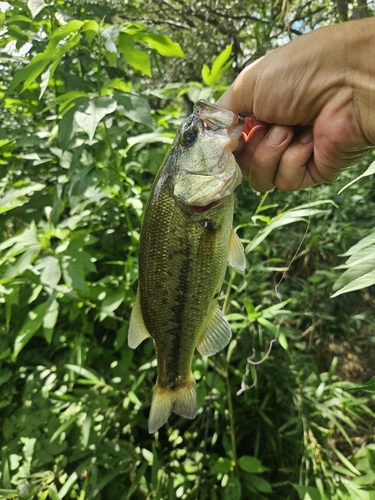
(261, 203)
(231, 419)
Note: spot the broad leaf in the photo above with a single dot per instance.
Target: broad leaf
(31, 325)
(161, 43)
(138, 59)
(109, 36)
(17, 197)
(51, 274)
(35, 6)
(251, 464)
(135, 108)
(87, 116)
(222, 466)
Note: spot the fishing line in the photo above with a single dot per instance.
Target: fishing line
(209, 412)
(250, 362)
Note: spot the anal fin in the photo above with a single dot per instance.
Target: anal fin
(182, 401)
(236, 254)
(137, 328)
(216, 336)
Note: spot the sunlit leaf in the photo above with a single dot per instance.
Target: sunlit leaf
(219, 66)
(31, 325)
(161, 43)
(138, 59)
(88, 116)
(109, 36)
(36, 6)
(51, 271)
(135, 108)
(16, 197)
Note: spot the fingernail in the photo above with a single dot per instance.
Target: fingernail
(277, 135)
(256, 138)
(306, 137)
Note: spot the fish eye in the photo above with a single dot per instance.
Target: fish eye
(190, 136)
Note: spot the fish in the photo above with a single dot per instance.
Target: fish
(186, 241)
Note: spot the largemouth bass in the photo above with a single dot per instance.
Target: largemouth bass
(186, 241)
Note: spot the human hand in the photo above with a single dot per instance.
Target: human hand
(318, 92)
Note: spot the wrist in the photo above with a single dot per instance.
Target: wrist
(358, 38)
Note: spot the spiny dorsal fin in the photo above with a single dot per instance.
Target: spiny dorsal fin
(216, 336)
(182, 401)
(137, 328)
(236, 254)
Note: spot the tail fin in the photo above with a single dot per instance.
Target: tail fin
(182, 401)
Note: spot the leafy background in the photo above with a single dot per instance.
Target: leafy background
(91, 95)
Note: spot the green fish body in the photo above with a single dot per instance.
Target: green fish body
(185, 244)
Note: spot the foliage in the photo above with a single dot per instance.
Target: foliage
(87, 117)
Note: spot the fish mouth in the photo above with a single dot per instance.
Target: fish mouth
(204, 208)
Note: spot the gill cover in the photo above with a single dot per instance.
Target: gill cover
(206, 169)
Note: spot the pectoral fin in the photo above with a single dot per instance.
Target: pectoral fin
(216, 336)
(236, 255)
(137, 328)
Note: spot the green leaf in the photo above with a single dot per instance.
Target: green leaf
(165, 137)
(84, 372)
(307, 492)
(21, 263)
(161, 44)
(346, 462)
(72, 27)
(260, 484)
(136, 58)
(135, 108)
(28, 74)
(222, 466)
(68, 423)
(110, 36)
(210, 77)
(251, 464)
(111, 302)
(283, 341)
(35, 6)
(31, 325)
(370, 170)
(233, 490)
(51, 274)
(352, 283)
(67, 129)
(49, 320)
(267, 324)
(370, 385)
(16, 197)
(295, 215)
(363, 243)
(87, 116)
(73, 273)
